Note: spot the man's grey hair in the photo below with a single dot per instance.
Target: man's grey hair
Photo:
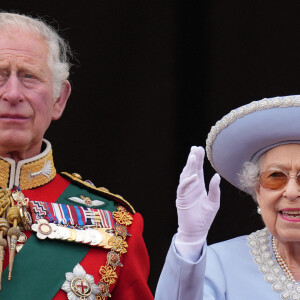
(248, 177)
(58, 48)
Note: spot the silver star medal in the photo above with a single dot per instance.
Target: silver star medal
(80, 236)
(96, 237)
(79, 285)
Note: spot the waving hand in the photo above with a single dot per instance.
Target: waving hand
(196, 208)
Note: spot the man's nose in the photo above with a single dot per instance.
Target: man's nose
(12, 90)
(292, 189)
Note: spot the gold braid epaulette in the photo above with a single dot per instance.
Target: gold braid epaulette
(74, 177)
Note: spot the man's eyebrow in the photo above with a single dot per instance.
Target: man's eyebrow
(28, 69)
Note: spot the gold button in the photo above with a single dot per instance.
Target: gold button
(77, 175)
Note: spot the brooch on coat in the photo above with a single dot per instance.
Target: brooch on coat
(79, 285)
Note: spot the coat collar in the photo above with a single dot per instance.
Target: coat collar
(28, 173)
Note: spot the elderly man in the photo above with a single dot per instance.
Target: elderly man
(73, 240)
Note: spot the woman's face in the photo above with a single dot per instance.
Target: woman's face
(280, 209)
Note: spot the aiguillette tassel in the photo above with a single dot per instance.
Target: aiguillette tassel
(13, 217)
(4, 226)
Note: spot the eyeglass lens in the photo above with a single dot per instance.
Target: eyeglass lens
(275, 180)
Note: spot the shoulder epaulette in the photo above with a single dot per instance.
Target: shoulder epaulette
(77, 179)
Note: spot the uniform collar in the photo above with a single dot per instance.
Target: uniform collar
(28, 173)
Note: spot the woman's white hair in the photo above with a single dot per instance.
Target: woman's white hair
(248, 177)
(58, 48)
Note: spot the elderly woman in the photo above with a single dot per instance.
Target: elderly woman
(256, 148)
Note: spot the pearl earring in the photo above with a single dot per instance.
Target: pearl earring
(258, 210)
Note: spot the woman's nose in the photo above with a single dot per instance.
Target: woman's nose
(292, 189)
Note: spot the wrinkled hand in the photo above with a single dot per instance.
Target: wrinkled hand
(195, 208)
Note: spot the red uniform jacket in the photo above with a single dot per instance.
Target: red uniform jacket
(34, 278)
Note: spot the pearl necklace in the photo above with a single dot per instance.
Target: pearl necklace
(282, 263)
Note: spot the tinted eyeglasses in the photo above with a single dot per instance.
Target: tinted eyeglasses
(276, 180)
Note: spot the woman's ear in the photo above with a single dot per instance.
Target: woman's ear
(257, 192)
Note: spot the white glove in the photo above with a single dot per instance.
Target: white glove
(195, 208)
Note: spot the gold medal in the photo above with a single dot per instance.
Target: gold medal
(73, 235)
(105, 237)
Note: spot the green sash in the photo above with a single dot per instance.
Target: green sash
(52, 260)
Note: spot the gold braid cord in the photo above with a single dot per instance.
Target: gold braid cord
(4, 173)
(9, 219)
(118, 247)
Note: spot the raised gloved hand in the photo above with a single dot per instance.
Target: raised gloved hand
(195, 208)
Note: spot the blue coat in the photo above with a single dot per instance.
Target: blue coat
(225, 271)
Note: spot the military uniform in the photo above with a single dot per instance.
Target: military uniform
(41, 264)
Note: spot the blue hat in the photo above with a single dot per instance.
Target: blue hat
(250, 130)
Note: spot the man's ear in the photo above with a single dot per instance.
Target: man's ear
(60, 104)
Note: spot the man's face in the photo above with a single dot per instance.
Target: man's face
(26, 92)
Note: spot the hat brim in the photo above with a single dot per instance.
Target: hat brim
(248, 137)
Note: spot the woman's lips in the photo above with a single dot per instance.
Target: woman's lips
(290, 214)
